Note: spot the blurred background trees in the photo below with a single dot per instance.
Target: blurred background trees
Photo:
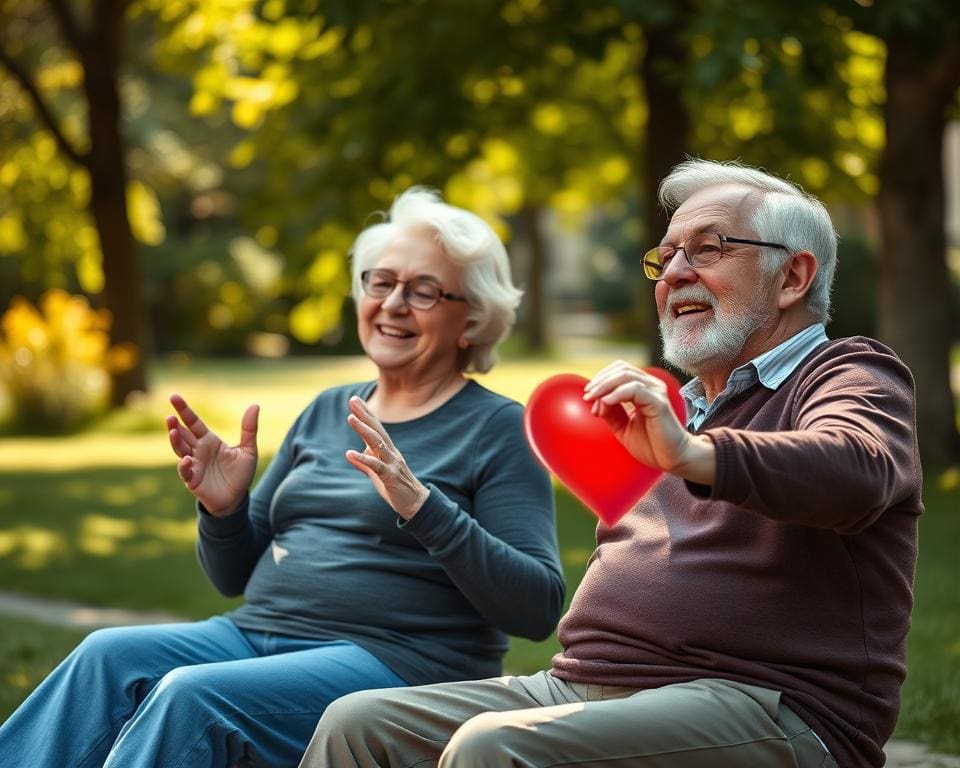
(198, 168)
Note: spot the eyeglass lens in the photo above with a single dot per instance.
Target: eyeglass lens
(421, 293)
(700, 250)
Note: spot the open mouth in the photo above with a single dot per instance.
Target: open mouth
(690, 308)
(395, 333)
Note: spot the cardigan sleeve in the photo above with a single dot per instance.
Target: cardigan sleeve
(850, 452)
(503, 557)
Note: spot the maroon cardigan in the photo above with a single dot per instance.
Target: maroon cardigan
(793, 572)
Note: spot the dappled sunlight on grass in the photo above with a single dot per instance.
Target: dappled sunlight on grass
(113, 535)
(32, 548)
(949, 480)
(172, 531)
(103, 536)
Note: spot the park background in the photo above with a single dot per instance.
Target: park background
(180, 181)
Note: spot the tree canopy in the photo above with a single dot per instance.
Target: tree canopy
(200, 167)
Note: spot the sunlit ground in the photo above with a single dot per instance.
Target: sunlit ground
(220, 392)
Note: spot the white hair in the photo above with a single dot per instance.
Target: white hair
(785, 214)
(470, 243)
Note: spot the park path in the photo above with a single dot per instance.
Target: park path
(900, 754)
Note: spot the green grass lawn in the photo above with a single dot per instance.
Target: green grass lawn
(931, 694)
(102, 518)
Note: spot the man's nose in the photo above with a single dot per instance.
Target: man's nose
(678, 269)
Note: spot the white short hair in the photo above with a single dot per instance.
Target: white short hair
(786, 214)
(470, 243)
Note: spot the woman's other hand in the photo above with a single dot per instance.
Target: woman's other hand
(384, 464)
(217, 474)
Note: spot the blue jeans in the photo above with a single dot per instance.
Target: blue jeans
(176, 695)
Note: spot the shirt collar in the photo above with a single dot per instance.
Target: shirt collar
(770, 368)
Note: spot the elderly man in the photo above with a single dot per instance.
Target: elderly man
(753, 608)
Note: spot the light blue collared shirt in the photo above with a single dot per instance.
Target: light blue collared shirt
(771, 369)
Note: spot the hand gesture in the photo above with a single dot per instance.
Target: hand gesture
(384, 464)
(217, 474)
(637, 407)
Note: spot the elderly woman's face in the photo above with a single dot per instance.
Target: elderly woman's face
(396, 336)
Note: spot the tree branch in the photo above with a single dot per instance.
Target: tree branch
(946, 71)
(107, 32)
(40, 106)
(69, 27)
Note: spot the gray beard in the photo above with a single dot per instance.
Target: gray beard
(718, 344)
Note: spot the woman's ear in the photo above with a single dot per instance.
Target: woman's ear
(465, 339)
(800, 269)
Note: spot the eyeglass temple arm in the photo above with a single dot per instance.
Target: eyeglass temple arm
(726, 239)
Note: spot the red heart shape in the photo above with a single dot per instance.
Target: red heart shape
(582, 451)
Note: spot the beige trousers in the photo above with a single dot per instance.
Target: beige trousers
(541, 721)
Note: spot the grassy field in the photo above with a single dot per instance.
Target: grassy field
(102, 518)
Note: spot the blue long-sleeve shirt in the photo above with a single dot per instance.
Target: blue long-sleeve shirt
(318, 553)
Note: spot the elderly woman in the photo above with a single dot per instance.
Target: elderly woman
(400, 533)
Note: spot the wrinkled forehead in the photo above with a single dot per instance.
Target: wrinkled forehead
(724, 208)
(417, 252)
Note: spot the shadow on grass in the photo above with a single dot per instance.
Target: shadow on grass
(111, 536)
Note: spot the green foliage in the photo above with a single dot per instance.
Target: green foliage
(854, 302)
(789, 87)
(274, 127)
(55, 363)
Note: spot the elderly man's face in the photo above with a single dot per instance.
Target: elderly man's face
(708, 314)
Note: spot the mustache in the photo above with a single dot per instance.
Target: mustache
(691, 293)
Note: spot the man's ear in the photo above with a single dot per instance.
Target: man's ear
(798, 273)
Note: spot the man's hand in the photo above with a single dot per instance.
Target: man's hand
(637, 407)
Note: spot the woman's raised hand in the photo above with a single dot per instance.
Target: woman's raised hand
(384, 464)
(217, 474)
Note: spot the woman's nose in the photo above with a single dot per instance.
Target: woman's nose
(395, 300)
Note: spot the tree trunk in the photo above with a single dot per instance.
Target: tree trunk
(668, 129)
(123, 273)
(535, 331)
(914, 288)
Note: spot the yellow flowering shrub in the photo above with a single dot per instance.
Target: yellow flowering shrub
(55, 362)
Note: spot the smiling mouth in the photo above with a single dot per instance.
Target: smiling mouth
(690, 308)
(395, 333)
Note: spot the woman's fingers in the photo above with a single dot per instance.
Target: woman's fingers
(189, 417)
(181, 440)
(376, 443)
(366, 462)
(365, 415)
(365, 424)
(248, 429)
(185, 470)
